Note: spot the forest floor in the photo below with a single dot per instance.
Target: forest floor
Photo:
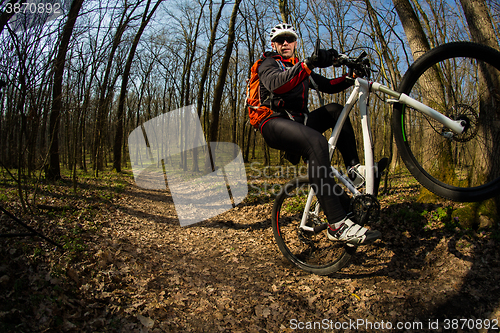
(128, 266)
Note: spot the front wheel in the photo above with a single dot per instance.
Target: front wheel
(312, 252)
(462, 81)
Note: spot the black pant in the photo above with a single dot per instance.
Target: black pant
(293, 137)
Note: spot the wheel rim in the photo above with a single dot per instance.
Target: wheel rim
(306, 249)
(466, 163)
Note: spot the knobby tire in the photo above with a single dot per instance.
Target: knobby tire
(467, 167)
(312, 252)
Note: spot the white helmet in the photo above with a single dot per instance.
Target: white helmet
(283, 29)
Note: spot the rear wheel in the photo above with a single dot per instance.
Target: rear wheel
(310, 251)
(462, 81)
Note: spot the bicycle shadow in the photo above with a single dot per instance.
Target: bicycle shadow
(455, 272)
(459, 270)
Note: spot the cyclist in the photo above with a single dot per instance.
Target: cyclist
(284, 85)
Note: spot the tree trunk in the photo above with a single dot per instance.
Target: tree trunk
(412, 27)
(219, 89)
(234, 100)
(208, 60)
(54, 171)
(479, 21)
(433, 91)
(482, 31)
(284, 11)
(117, 152)
(252, 36)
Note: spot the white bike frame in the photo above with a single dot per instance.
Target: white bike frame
(360, 93)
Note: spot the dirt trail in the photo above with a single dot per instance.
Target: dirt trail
(146, 273)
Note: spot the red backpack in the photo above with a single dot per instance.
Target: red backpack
(256, 111)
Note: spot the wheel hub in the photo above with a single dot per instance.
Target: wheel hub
(469, 119)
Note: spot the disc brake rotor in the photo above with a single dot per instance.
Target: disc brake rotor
(467, 114)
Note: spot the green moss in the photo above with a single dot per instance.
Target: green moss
(488, 208)
(427, 196)
(477, 215)
(465, 216)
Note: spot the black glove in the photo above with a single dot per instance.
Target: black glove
(321, 58)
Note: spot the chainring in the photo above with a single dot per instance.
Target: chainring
(365, 208)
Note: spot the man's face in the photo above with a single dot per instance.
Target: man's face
(285, 46)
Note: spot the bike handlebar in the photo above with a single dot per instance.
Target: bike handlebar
(360, 65)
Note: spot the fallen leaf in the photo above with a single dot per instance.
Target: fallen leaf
(311, 300)
(72, 274)
(262, 311)
(146, 321)
(4, 279)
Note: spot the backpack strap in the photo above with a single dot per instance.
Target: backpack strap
(321, 100)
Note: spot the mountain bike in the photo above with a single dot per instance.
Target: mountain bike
(446, 124)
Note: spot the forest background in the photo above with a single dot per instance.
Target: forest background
(79, 84)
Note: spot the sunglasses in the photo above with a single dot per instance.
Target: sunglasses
(282, 39)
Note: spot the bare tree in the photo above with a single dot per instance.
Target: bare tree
(252, 22)
(395, 76)
(480, 23)
(54, 171)
(208, 57)
(205, 70)
(108, 84)
(219, 88)
(284, 10)
(125, 78)
(6, 16)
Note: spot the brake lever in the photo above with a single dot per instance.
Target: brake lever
(361, 56)
(317, 47)
(342, 59)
